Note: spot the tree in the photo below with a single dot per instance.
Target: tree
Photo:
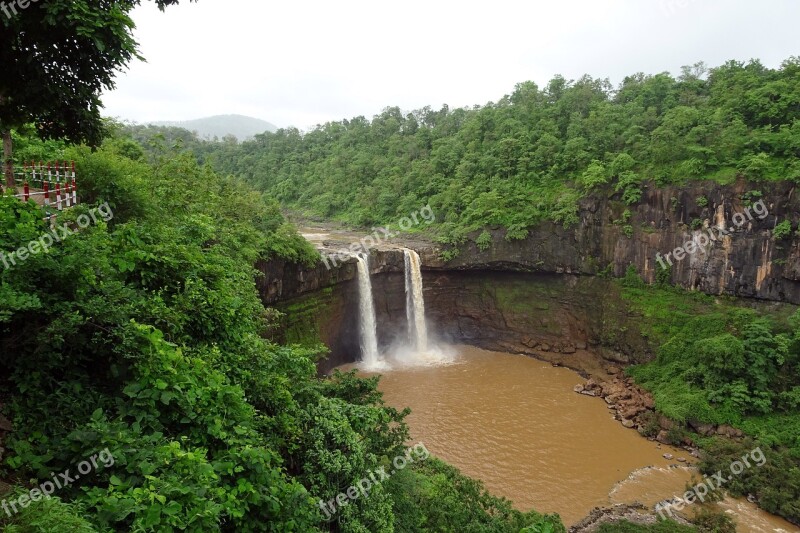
(56, 59)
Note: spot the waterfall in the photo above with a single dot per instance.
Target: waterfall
(415, 303)
(369, 336)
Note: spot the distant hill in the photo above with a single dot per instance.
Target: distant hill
(219, 126)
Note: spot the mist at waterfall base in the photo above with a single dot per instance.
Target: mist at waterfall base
(419, 348)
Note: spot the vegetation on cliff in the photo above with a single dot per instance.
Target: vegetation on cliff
(720, 363)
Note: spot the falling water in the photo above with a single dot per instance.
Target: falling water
(415, 304)
(369, 336)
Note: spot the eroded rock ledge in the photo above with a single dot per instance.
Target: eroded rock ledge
(748, 262)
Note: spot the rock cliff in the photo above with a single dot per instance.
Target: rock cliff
(744, 260)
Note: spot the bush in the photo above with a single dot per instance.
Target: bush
(484, 241)
(710, 522)
(661, 526)
(782, 230)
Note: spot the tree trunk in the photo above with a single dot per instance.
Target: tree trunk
(9, 166)
(5, 130)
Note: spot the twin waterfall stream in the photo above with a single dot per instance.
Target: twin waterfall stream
(415, 304)
(368, 327)
(417, 350)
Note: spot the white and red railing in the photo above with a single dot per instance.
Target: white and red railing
(52, 185)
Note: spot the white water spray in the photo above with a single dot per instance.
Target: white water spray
(367, 323)
(415, 303)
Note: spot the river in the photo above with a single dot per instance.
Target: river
(516, 424)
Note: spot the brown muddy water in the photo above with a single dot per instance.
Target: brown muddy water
(516, 424)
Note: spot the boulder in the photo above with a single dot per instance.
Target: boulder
(631, 411)
(701, 428)
(591, 384)
(729, 431)
(665, 422)
(529, 342)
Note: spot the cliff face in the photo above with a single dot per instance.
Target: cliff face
(744, 260)
(320, 304)
(559, 317)
(541, 295)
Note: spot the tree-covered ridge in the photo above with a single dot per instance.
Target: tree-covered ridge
(532, 154)
(221, 126)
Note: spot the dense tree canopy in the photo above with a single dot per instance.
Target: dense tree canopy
(532, 154)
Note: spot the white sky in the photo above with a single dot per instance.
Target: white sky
(306, 62)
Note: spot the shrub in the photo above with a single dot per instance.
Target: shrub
(782, 230)
(484, 241)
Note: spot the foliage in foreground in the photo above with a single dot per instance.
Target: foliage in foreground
(142, 336)
(705, 521)
(461, 504)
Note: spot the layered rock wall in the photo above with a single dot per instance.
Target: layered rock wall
(747, 262)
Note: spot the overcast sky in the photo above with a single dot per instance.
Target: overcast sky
(300, 63)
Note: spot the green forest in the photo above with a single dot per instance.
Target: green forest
(720, 362)
(533, 154)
